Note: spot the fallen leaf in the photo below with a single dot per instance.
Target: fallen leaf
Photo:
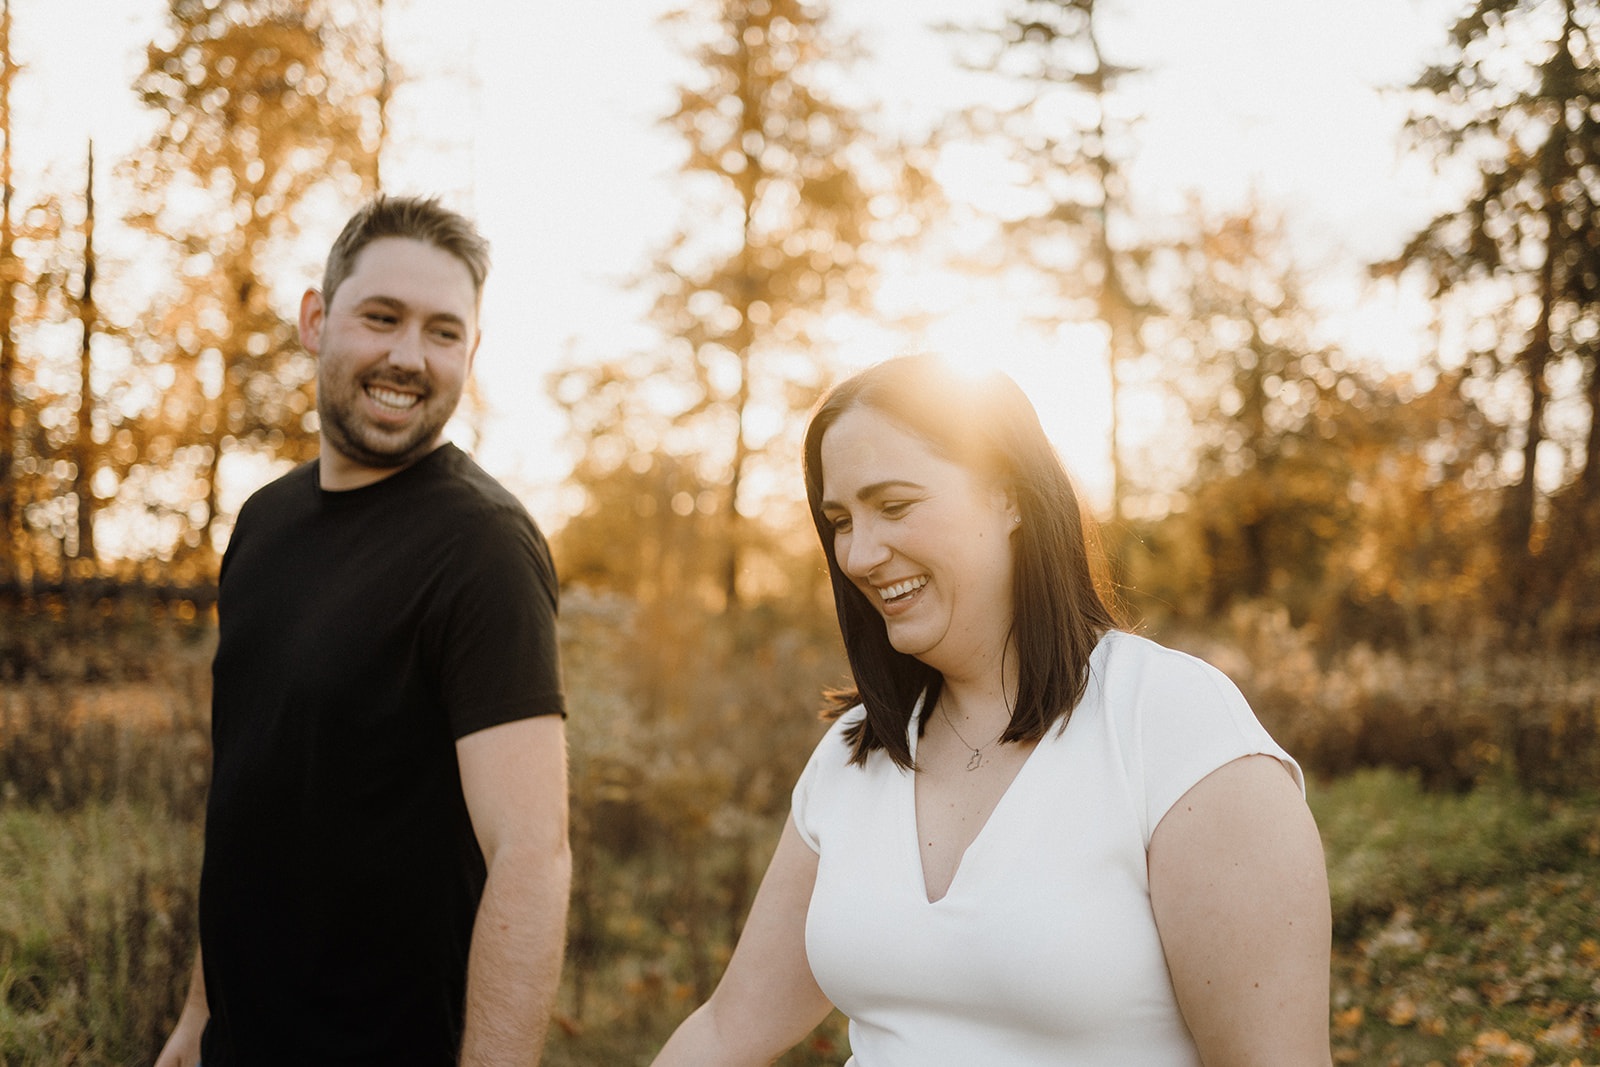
(1500, 1043)
(1403, 1012)
(1568, 1034)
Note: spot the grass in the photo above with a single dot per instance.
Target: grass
(1466, 927)
(97, 932)
(1465, 934)
(1465, 918)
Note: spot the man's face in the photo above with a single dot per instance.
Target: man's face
(394, 351)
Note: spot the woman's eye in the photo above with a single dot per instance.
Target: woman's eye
(896, 508)
(840, 525)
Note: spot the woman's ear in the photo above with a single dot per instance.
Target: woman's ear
(1005, 500)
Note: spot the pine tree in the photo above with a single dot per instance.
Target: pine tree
(1515, 99)
(1073, 138)
(779, 169)
(265, 106)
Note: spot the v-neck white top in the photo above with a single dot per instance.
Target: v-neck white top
(1044, 950)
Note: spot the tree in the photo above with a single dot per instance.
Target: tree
(44, 392)
(1266, 495)
(84, 451)
(10, 532)
(779, 171)
(267, 108)
(1351, 500)
(36, 423)
(1513, 102)
(1073, 138)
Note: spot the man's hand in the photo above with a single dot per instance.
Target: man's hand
(183, 1046)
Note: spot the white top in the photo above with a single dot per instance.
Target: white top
(1044, 950)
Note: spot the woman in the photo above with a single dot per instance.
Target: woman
(1035, 839)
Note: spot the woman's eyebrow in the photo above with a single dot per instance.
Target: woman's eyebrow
(877, 489)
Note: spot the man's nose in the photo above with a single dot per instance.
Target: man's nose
(407, 351)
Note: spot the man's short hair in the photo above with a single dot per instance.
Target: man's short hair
(418, 218)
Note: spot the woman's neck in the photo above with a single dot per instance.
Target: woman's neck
(983, 696)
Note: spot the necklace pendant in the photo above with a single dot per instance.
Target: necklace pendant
(976, 760)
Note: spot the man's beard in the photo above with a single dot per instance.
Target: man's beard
(361, 442)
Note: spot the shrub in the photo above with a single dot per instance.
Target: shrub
(1457, 713)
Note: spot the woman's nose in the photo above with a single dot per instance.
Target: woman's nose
(863, 552)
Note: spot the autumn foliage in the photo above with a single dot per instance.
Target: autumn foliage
(1401, 568)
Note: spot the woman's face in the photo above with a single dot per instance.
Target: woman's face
(927, 540)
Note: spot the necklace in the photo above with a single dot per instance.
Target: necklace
(976, 760)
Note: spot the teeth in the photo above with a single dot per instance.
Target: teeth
(389, 398)
(899, 589)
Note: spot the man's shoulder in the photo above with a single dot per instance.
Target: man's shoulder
(473, 492)
(296, 485)
(473, 479)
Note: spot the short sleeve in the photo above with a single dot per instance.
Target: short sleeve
(494, 637)
(1181, 719)
(829, 759)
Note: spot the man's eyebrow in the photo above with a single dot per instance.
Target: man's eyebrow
(400, 305)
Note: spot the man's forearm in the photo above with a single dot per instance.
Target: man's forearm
(515, 966)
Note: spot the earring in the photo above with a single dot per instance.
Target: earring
(1016, 518)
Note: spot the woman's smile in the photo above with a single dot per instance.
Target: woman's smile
(900, 594)
(923, 537)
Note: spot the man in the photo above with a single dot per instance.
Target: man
(386, 869)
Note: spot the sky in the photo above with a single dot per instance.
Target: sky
(540, 117)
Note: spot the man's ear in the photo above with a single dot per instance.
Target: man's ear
(472, 353)
(312, 314)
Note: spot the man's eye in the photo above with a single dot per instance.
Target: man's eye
(380, 318)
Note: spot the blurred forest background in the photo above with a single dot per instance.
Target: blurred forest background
(1400, 568)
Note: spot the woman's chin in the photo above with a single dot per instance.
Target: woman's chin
(912, 644)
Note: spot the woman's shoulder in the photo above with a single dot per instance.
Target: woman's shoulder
(833, 748)
(831, 788)
(1121, 654)
(1176, 717)
(1155, 695)
(849, 717)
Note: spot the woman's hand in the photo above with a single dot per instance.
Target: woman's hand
(767, 999)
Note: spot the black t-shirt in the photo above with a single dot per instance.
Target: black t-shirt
(361, 633)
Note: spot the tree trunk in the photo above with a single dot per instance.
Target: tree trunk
(9, 540)
(1116, 308)
(743, 341)
(1591, 449)
(1517, 513)
(85, 553)
(385, 92)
